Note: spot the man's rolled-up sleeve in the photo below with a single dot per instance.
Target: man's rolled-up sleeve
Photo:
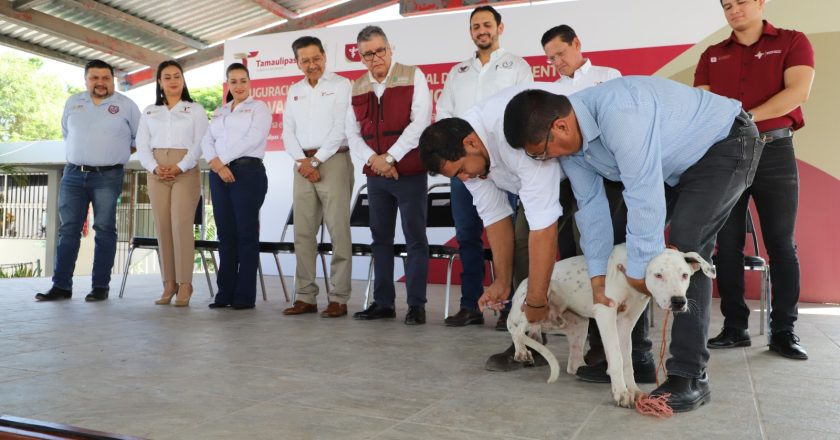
(491, 202)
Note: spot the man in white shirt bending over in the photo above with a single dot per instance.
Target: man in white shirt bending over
(313, 134)
(489, 70)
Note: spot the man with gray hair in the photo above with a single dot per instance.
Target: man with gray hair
(389, 108)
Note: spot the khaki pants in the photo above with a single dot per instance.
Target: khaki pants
(329, 198)
(173, 205)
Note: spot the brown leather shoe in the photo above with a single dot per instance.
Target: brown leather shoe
(300, 307)
(334, 310)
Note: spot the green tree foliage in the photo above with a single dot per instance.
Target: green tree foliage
(209, 97)
(31, 101)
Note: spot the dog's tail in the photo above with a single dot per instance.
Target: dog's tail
(548, 355)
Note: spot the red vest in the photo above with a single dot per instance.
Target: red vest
(383, 120)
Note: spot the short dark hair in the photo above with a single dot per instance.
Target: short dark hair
(231, 68)
(443, 140)
(306, 41)
(564, 31)
(489, 9)
(530, 113)
(98, 64)
(160, 97)
(368, 32)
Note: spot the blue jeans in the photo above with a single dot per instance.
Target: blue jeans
(702, 201)
(236, 208)
(78, 190)
(775, 190)
(386, 196)
(468, 229)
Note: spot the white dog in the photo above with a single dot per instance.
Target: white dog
(571, 304)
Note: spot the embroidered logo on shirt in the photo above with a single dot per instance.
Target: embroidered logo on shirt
(327, 93)
(77, 107)
(761, 54)
(185, 109)
(505, 65)
(463, 69)
(113, 109)
(720, 58)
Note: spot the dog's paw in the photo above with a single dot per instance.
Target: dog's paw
(636, 392)
(523, 356)
(624, 399)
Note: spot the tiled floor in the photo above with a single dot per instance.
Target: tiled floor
(131, 367)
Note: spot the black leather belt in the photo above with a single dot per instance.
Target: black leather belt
(246, 161)
(310, 153)
(779, 133)
(90, 168)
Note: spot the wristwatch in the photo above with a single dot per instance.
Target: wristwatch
(390, 159)
(314, 163)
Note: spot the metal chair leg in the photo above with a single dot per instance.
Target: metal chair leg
(326, 274)
(125, 270)
(213, 260)
(206, 272)
(651, 310)
(369, 282)
(448, 285)
(262, 280)
(769, 301)
(282, 278)
(762, 302)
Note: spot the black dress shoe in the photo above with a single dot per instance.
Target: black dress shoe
(686, 394)
(501, 324)
(416, 315)
(97, 294)
(643, 372)
(730, 338)
(215, 305)
(375, 312)
(787, 344)
(504, 361)
(54, 294)
(242, 306)
(464, 317)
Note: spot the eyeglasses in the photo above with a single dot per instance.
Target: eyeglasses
(368, 56)
(544, 155)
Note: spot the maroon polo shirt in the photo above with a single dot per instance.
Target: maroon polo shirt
(754, 74)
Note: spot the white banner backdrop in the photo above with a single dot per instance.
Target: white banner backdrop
(636, 37)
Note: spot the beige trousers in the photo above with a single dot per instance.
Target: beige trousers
(173, 206)
(329, 198)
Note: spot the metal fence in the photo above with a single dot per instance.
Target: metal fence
(23, 206)
(23, 213)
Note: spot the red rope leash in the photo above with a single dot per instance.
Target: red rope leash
(657, 406)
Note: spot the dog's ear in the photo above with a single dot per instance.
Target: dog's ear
(697, 263)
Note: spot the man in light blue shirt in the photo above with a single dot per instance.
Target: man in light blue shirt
(643, 131)
(99, 126)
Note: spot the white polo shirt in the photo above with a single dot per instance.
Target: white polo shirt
(469, 82)
(421, 116)
(588, 75)
(241, 132)
(182, 127)
(313, 118)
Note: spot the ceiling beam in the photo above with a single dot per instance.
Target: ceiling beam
(115, 15)
(276, 9)
(216, 53)
(41, 50)
(24, 5)
(418, 7)
(80, 35)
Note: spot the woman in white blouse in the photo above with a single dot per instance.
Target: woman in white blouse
(234, 146)
(169, 146)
